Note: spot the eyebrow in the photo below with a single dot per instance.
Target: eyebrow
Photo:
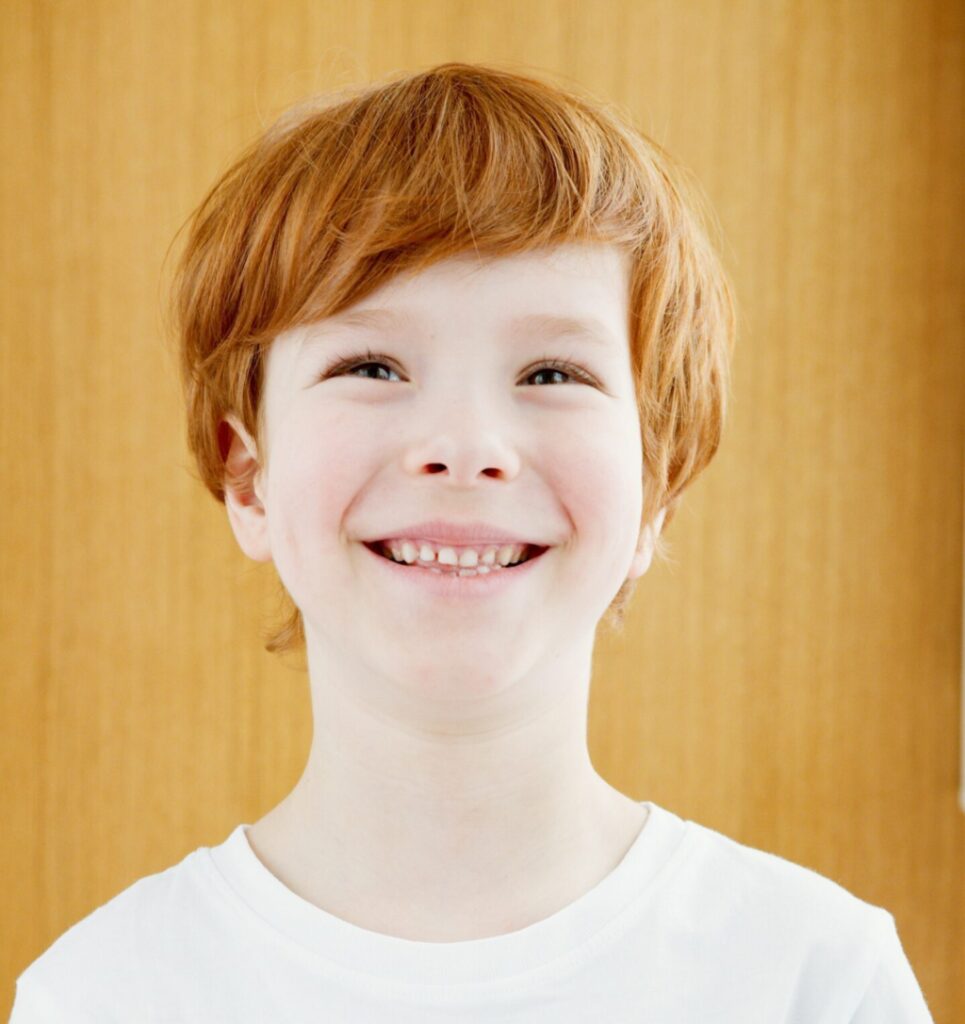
(542, 325)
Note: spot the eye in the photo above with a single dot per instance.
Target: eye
(567, 369)
(344, 364)
(350, 363)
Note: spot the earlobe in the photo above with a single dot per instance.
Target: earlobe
(243, 491)
(644, 553)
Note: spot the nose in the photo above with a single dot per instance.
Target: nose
(463, 458)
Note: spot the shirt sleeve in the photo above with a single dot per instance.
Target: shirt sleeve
(893, 995)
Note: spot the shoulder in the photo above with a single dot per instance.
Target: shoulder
(776, 910)
(845, 951)
(831, 954)
(98, 964)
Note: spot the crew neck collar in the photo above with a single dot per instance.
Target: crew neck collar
(599, 915)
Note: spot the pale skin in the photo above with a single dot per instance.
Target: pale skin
(449, 793)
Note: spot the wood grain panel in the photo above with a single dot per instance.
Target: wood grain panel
(791, 679)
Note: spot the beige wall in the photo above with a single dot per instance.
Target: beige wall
(792, 681)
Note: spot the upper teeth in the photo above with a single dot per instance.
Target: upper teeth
(404, 550)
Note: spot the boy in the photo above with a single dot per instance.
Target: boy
(452, 351)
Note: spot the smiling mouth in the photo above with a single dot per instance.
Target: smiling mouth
(532, 552)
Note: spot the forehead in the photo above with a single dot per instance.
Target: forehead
(572, 274)
(574, 291)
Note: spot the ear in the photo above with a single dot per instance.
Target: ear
(244, 499)
(644, 552)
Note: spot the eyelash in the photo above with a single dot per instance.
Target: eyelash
(353, 362)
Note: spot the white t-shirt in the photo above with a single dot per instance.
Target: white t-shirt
(691, 927)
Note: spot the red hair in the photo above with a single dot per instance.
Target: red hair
(345, 191)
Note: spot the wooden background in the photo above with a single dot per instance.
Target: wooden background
(792, 680)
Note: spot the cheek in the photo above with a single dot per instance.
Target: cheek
(597, 474)
(318, 466)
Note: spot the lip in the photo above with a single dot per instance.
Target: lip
(439, 531)
(453, 587)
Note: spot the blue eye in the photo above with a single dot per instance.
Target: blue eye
(348, 364)
(567, 369)
(343, 364)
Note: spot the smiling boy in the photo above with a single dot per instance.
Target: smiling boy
(450, 711)
(453, 348)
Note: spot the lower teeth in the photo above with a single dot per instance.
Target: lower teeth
(456, 571)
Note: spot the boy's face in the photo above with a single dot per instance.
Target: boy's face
(457, 425)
